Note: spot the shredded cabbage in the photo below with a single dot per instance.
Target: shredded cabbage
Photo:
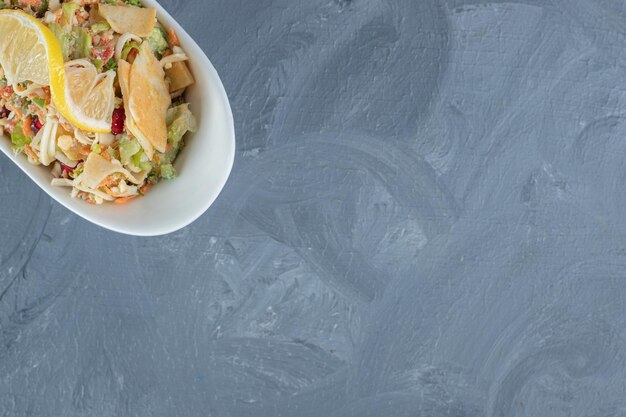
(82, 138)
(48, 141)
(62, 182)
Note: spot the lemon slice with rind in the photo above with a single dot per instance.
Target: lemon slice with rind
(89, 97)
(29, 51)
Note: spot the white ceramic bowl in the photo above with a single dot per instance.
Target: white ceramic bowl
(203, 166)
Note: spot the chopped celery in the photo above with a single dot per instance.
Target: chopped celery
(140, 162)
(169, 156)
(18, 138)
(167, 172)
(133, 156)
(100, 27)
(97, 62)
(128, 47)
(83, 43)
(77, 171)
(180, 120)
(65, 39)
(40, 102)
(128, 148)
(158, 41)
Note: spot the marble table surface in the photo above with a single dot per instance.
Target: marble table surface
(426, 217)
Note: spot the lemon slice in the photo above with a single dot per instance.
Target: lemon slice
(29, 51)
(89, 98)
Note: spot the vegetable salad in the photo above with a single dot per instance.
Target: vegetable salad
(127, 75)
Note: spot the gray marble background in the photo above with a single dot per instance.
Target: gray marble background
(427, 217)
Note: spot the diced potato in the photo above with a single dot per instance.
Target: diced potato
(180, 76)
(127, 19)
